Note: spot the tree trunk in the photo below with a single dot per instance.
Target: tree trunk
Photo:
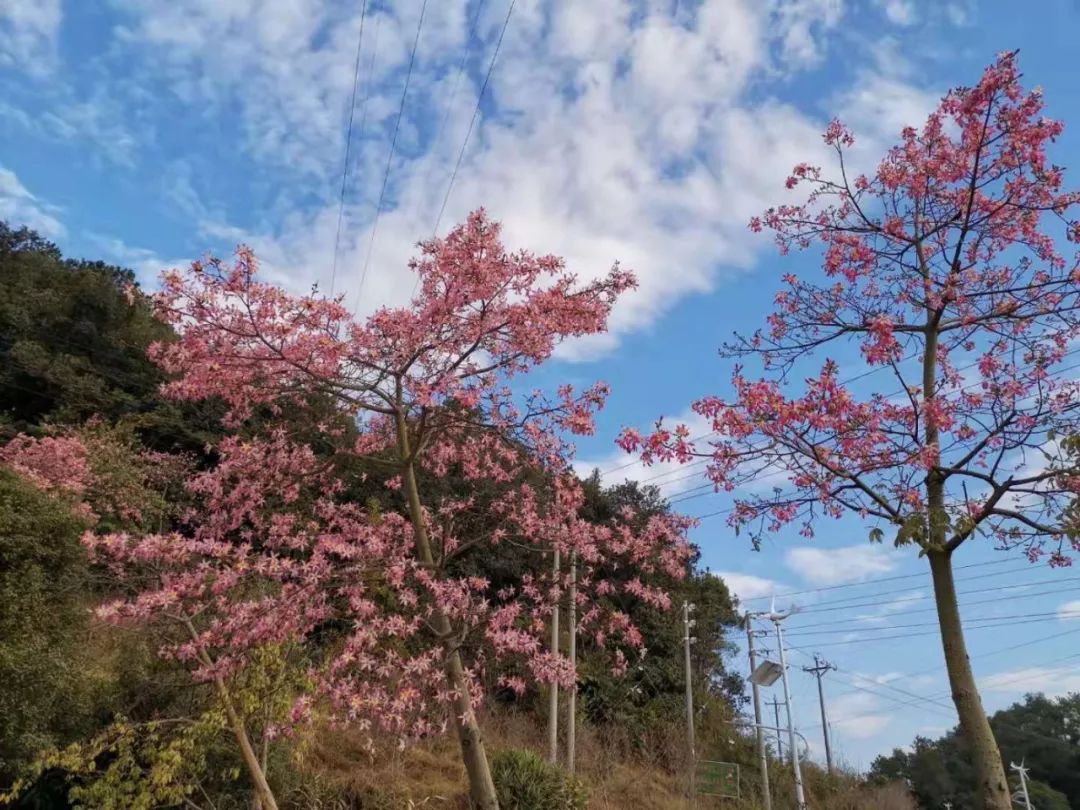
(481, 785)
(263, 795)
(993, 788)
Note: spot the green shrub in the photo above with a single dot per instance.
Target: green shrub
(524, 781)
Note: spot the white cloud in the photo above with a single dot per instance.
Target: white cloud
(19, 207)
(28, 31)
(899, 12)
(1069, 611)
(1052, 681)
(859, 715)
(749, 586)
(879, 105)
(147, 264)
(800, 24)
(881, 613)
(98, 120)
(654, 161)
(837, 566)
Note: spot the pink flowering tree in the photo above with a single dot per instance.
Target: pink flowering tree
(943, 269)
(277, 549)
(56, 464)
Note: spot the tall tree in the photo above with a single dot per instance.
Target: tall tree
(942, 268)
(429, 387)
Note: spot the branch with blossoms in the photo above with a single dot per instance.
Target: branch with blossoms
(941, 271)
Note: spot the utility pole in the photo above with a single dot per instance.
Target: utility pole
(571, 699)
(776, 704)
(800, 798)
(818, 670)
(553, 695)
(687, 609)
(1021, 796)
(766, 794)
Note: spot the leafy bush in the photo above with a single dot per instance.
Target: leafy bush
(524, 781)
(42, 621)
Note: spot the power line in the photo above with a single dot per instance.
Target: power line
(472, 123)
(849, 628)
(927, 596)
(873, 581)
(921, 699)
(392, 152)
(348, 148)
(475, 115)
(990, 653)
(846, 381)
(1027, 566)
(471, 32)
(1020, 619)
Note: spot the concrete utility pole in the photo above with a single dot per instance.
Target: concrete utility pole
(553, 695)
(1021, 796)
(766, 794)
(818, 670)
(687, 609)
(776, 704)
(800, 797)
(571, 699)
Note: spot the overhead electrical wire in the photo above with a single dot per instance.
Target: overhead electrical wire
(391, 154)
(731, 509)
(1014, 620)
(472, 124)
(690, 494)
(475, 115)
(920, 598)
(452, 95)
(1026, 566)
(872, 581)
(348, 149)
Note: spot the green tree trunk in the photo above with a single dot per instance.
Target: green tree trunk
(993, 788)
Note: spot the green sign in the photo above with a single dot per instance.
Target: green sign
(716, 779)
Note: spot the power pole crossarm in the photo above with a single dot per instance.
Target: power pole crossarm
(818, 670)
(1021, 796)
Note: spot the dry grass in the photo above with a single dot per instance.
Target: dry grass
(431, 775)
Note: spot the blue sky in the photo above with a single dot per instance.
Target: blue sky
(147, 132)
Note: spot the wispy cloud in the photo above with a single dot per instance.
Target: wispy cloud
(749, 586)
(28, 32)
(859, 715)
(19, 207)
(838, 566)
(1052, 681)
(881, 613)
(1069, 611)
